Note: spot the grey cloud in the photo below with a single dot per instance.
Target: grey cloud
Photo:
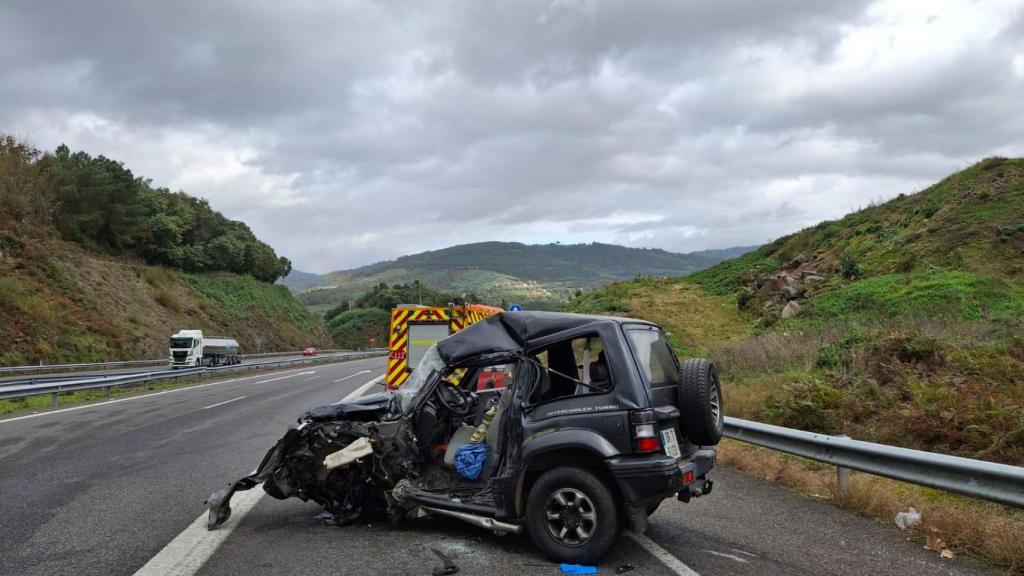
(351, 131)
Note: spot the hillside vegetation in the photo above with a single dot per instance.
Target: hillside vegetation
(96, 265)
(901, 323)
(536, 276)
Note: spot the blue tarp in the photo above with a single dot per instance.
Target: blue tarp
(469, 460)
(578, 569)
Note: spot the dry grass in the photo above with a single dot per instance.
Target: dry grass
(987, 531)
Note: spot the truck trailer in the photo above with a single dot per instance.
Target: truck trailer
(190, 349)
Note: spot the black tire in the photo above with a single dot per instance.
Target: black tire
(700, 402)
(592, 497)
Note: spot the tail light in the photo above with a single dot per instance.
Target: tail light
(645, 431)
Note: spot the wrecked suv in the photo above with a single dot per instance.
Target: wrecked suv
(580, 426)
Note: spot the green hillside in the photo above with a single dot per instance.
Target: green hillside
(900, 323)
(97, 265)
(537, 276)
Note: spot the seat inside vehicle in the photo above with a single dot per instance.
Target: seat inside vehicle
(493, 439)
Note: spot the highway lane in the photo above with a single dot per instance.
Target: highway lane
(100, 490)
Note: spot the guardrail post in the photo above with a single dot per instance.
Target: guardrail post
(53, 400)
(145, 385)
(110, 391)
(842, 478)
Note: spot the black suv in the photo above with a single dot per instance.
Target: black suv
(583, 425)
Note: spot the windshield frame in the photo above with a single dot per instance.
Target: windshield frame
(421, 381)
(191, 342)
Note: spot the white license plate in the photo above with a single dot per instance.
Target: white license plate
(668, 439)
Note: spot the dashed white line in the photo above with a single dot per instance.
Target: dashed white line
(729, 556)
(359, 391)
(310, 378)
(360, 373)
(664, 556)
(187, 553)
(224, 402)
(283, 377)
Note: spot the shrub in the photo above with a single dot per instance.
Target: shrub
(166, 299)
(849, 267)
(743, 299)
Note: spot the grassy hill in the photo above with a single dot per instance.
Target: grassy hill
(537, 276)
(61, 303)
(97, 265)
(901, 323)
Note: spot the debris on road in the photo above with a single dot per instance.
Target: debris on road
(447, 567)
(908, 519)
(577, 569)
(622, 569)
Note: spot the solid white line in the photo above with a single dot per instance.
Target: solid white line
(360, 373)
(187, 553)
(664, 556)
(283, 377)
(184, 555)
(224, 402)
(359, 391)
(139, 397)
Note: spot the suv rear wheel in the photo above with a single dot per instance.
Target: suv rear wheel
(700, 402)
(571, 515)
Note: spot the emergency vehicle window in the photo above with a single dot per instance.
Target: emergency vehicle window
(573, 368)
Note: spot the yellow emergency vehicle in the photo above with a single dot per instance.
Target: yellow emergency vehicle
(416, 328)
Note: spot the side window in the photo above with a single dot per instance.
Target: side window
(571, 368)
(655, 357)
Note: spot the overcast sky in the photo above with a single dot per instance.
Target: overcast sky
(350, 132)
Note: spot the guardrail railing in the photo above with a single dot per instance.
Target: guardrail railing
(111, 382)
(987, 480)
(158, 361)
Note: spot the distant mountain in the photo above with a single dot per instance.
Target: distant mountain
(537, 276)
(298, 281)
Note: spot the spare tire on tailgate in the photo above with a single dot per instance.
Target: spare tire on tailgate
(700, 402)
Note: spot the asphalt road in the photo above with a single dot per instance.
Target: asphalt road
(104, 489)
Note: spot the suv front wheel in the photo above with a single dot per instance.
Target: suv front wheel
(571, 515)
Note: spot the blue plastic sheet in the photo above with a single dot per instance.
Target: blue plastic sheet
(577, 569)
(469, 460)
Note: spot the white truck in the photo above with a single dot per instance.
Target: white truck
(190, 349)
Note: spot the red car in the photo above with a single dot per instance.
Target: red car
(309, 351)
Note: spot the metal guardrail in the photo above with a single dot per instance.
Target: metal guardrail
(56, 388)
(67, 376)
(87, 365)
(987, 480)
(123, 363)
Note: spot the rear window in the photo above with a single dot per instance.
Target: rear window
(655, 357)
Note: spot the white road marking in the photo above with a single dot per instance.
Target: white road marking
(744, 552)
(224, 402)
(362, 389)
(141, 396)
(360, 373)
(310, 378)
(187, 553)
(283, 377)
(184, 555)
(664, 556)
(729, 556)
